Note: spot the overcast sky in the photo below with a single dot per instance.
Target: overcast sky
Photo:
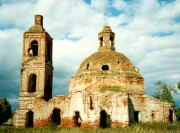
(146, 31)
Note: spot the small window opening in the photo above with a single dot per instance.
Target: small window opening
(33, 51)
(91, 103)
(105, 67)
(101, 41)
(87, 66)
(170, 115)
(56, 118)
(136, 116)
(32, 83)
(77, 119)
(118, 62)
(30, 117)
(105, 120)
(153, 116)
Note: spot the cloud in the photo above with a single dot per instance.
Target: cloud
(147, 32)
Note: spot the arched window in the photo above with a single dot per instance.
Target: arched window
(111, 41)
(91, 103)
(32, 83)
(34, 48)
(105, 67)
(101, 41)
(87, 67)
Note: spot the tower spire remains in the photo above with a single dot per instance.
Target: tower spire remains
(106, 39)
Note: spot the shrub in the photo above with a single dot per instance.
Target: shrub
(5, 110)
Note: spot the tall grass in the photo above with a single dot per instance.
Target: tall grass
(134, 128)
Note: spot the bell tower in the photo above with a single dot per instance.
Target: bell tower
(106, 39)
(36, 71)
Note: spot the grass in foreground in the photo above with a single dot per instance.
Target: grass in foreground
(134, 128)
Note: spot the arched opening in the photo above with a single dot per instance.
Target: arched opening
(30, 117)
(136, 116)
(105, 67)
(170, 115)
(77, 119)
(105, 120)
(111, 41)
(34, 48)
(87, 67)
(32, 83)
(56, 118)
(101, 41)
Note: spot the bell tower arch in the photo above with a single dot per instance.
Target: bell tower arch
(37, 69)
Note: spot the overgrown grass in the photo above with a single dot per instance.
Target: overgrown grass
(133, 128)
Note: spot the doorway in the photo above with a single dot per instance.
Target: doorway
(105, 120)
(170, 115)
(136, 116)
(30, 117)
(56, 118)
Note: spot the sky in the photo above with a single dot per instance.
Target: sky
(146, 31)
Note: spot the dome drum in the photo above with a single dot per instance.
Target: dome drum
(92, 83)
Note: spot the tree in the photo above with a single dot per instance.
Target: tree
(177, 112)
(163, 92)
(5, 110)
(178, 85)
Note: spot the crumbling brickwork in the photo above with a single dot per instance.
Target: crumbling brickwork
(107, 90)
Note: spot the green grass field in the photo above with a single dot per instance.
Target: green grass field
(134, 128)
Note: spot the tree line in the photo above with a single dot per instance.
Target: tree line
(164, 91)
(5, 110)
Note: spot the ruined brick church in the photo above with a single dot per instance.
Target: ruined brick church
(106, 91)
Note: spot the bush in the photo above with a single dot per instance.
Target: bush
(5, 110)
(177, 112)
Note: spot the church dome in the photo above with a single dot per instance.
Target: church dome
(106, 69)
(107, 62)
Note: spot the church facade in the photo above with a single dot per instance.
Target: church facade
(107, 90)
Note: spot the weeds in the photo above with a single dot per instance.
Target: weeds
(155, 127)
(111, 88)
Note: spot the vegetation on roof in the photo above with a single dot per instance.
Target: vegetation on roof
(111, 88)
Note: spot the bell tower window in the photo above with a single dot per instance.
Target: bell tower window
(101, 41)
(111, 41)
(32, 83)
(34, 48)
